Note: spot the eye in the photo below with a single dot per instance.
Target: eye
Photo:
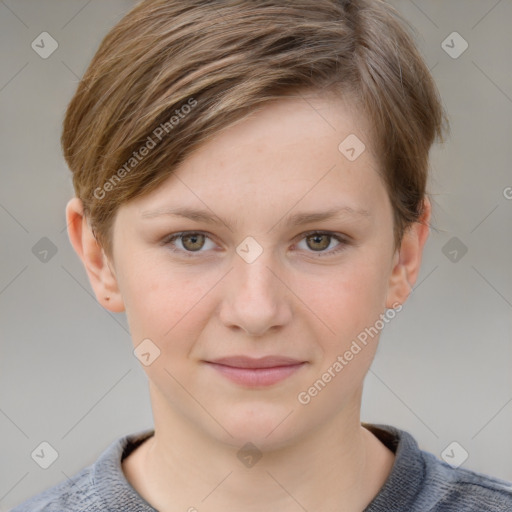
(190, 241)
(319, 241)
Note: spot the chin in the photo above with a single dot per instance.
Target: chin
(264, 426)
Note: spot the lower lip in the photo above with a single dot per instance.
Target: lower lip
(254, 377)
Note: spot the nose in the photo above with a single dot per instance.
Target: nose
(255, 297)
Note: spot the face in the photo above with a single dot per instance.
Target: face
(256, 274)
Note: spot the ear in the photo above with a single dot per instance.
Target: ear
(407, 260)
(98, 267)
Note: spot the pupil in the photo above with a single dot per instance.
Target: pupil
(316, 237)
(194, 239)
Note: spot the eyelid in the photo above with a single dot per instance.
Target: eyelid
(166, 241)
(344, 240)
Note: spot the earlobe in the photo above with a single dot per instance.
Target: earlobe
(96, 263)
(407, 260)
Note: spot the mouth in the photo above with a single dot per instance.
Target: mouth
(256, 372)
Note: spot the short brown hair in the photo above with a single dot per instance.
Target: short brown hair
(224, 58)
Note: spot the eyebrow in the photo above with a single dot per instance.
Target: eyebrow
(291, 220)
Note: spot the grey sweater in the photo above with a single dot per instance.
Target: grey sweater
(418, 482)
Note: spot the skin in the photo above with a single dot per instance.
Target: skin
(297, 299)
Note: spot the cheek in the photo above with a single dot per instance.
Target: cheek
(171, 304)
(162, 304)
(346, 298)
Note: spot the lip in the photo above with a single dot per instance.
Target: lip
(256, 372)
(253, 362)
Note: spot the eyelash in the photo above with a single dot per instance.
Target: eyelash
(342, 246)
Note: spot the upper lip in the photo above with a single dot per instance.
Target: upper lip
(262, 362)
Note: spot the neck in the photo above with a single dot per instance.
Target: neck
(180, 468)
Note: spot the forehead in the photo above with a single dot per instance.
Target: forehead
(289, 150)
(289, 133)
(297, 118)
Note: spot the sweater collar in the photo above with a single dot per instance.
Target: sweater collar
(407, 474)
(111, 482)
(400, 488)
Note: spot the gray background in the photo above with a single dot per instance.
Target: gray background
(68, 375)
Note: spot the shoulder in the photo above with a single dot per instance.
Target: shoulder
(419, 481)
(75, 494)
(96, 488)
(461, 489)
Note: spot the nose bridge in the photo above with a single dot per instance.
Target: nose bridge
(256, 278)
(254, 256)
(256, 300)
